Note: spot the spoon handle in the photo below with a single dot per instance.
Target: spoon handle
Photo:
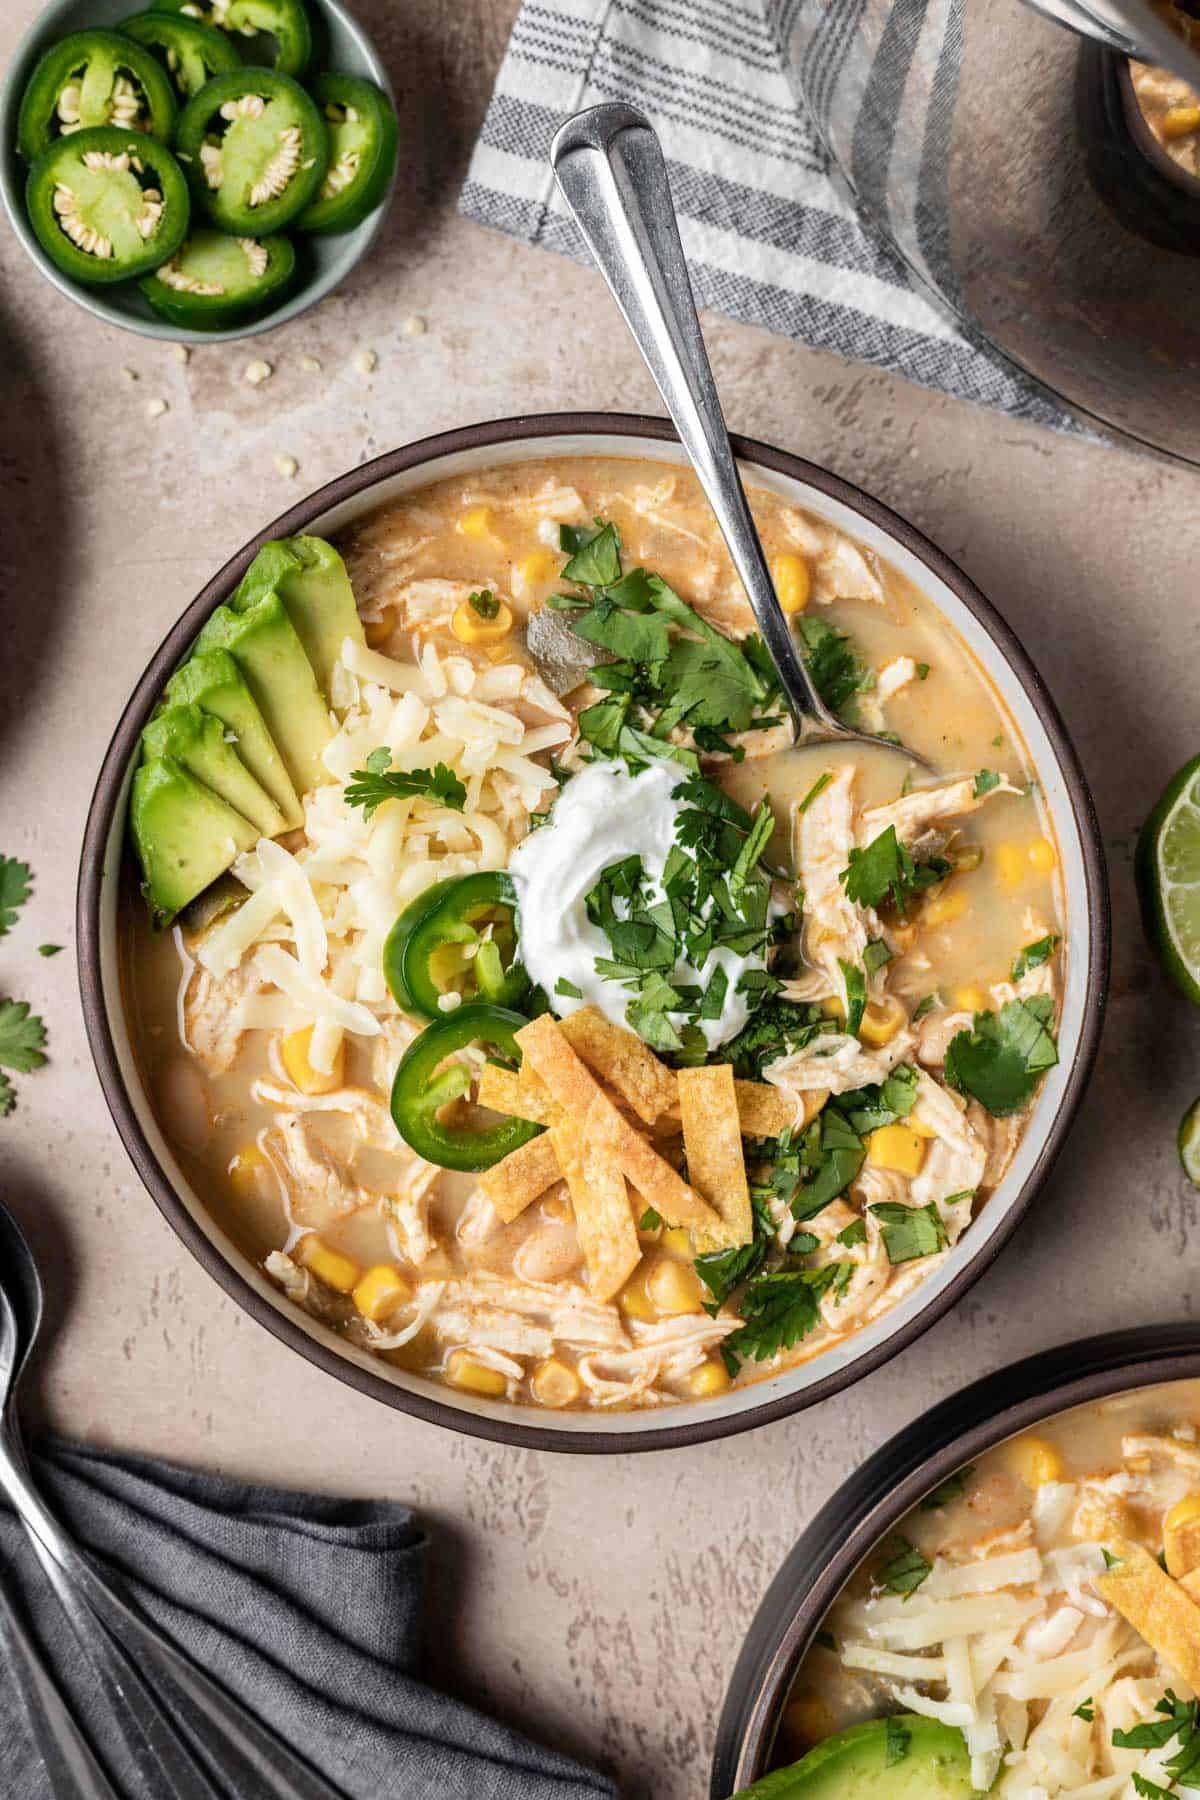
(72, 1769)
(609, 165)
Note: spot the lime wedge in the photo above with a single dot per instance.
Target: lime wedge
(1168, 875)
(1189, 1143)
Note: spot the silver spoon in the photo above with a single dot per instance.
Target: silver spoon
(609, 166)
(191, 1740)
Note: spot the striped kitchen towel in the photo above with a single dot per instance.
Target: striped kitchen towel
(734, 87)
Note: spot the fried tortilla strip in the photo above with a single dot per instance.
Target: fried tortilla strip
(603, 1213)
(712, 1142)
(518, 1093)
(580, 1094)
(1158, 1608)
(621, 1059)
(762, 1110)
(1181, 1537)
(518, 1179)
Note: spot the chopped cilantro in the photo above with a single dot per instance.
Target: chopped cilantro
(567, 989)
(631, 637)
(818, 787)
(1034, 955)
(949, 1490)
(484, 603)
(926, 1006)
(856, 995)
(922, 671)
(910, 1231)
(595, 555)
(876, 955)
(776, 1029)
(779, 1310)
(370, 787)
(884, 871)
(870, 1107)
(1110, 1561)
(896, 1740)
(723, 1270)
(833, 1153)
(1003, 1057)
(855, 1233)
(1150, 1790)
(650, 1220)
(834, 666)
(904, 1570)
(16, 882)
(985, 781)
(49, 949)
(22, 1047)
(1086, 1710)
(1179, 1719)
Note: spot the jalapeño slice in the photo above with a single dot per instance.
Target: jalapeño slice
(286, 21)
(107, 204)
(254, 148)
(422, 1088)
(363, 143)
(94, 78)
(214, 280)
(464, 942)
(190, 52)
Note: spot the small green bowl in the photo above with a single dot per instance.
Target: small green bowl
(326, 260)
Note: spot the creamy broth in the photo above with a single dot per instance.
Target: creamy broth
(282, 1170)
(1077, 1540)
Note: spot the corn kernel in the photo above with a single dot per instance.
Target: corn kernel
(248, 1173)
(293, 1053)
(1181, 1536)
(833, 1008)
(946, 908)
(881, 1021)
(470, 627)
(970, 999)
(793, 583)
(673, 1287)
(710, 1379)
(1043, 855)
(1010, 864)
(896, 1147)
(678, 1242)
(539, 566)
(1035, 1461)
(330, 1266)
(462, 1371)
(633, 1299)
(378, 631)
(381, 1290)
(807, 1720)
(476, 523)
(554, 1384)
(1177, 121)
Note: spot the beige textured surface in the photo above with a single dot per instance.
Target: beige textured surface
(563, 1601)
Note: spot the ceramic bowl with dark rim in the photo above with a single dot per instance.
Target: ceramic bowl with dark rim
(323, 261)
(866, 1508)
(456, 453)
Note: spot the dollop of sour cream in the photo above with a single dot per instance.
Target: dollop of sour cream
(602, 815)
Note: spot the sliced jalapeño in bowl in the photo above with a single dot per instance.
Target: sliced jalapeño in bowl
(458, 938)
(191, 53)
(215, 281)
(363, 143)
(106, 204)
(431, 1089)
(285, 21)
(255, 149)
(89, 79)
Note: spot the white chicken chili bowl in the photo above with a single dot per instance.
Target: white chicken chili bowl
(1067, 805)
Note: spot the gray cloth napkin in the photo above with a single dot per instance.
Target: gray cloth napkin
(307, 1608)
(736, 90)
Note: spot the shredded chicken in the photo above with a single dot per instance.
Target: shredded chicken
(371, 1119)
(318, 1187)
(836, 931)
(954, 1162)
(920, 818)
(214, 1014)
(836, 1062)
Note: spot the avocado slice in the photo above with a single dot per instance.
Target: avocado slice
(310, 578)
(185, 835)
(263, 642)
(930, 1762)
(212, 682)
(197, 742)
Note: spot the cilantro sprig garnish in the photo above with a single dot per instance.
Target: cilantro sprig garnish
(16, 885)
(884, 873)
(1003, 1057)
(1181, 1719)
(905, 1569)
(779, 1311)
(378, 781)
(910, 1232)
(834, 666)
(22, 1047)
(946, 1492)
(1034, 955)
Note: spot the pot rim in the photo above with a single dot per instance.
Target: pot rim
(878, 1495)
(693, 1426)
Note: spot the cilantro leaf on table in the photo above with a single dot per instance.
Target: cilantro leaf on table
(16, 885)
(370, 787)
(909, 1232)
(1003, 1057)
(1034, 955)
(905, 1568)
(884, 871)
(833, 663)
(22, 1047)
